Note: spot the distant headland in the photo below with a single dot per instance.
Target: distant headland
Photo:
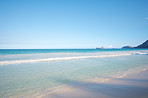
(143, 45)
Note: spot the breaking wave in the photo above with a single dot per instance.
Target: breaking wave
(48, 59)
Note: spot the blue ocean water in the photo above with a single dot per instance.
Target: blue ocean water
(32, 51)
(39, 72)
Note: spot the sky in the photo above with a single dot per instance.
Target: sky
(58, 24)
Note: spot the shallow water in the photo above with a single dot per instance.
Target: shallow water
(34, 74)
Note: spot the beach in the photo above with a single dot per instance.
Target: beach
(73, 49)
(73, 73)
(133, 86)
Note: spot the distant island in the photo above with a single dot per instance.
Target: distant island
(143, 45)
(100, 48)
(127, 47)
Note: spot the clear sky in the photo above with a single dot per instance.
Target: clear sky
(72, 23)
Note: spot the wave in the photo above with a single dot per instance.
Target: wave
(6, 62)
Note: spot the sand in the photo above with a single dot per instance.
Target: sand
(134, 86)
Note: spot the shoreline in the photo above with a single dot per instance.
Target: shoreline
(135, 86)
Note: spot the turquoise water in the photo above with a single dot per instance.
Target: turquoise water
(32, 51)
(32, 73)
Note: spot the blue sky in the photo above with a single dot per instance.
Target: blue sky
(72, 23)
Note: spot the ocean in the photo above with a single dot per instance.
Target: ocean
(40, 72)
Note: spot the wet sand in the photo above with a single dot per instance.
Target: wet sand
(134, 86)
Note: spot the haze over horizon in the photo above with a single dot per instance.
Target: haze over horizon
(49, 24)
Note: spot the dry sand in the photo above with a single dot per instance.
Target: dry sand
(135, 86)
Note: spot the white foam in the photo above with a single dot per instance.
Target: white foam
(99, 55)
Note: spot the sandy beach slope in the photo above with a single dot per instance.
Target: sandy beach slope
(134, 86)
